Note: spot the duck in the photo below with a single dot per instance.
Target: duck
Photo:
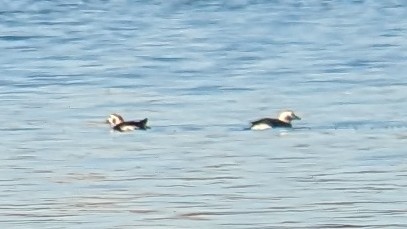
(117, 123)
(283, 121)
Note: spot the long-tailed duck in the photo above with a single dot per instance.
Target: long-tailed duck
(283, 121)
(117, 123)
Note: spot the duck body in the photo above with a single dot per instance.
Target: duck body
(118, 124)
(267, 123)
(131, 125)
(283, 121)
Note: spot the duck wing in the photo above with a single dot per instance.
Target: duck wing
(131, 125)
(271, 122)
(142, 124)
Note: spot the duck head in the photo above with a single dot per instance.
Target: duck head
(288, 116)
(114, 119)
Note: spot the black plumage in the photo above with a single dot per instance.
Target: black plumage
(272, 122)
(129, 125)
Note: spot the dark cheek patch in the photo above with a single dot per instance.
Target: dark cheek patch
(114, 121)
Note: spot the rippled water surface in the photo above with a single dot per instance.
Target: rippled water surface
(201, 71)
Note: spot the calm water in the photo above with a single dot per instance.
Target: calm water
(200, 71)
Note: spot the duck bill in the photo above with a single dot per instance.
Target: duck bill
(295, 117)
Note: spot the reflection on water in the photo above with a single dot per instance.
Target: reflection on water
(201, 71)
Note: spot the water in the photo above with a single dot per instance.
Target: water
(200, 71)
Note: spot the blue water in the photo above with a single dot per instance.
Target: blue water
(201, 71)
